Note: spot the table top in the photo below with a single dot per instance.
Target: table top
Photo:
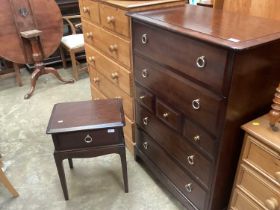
(86, 115)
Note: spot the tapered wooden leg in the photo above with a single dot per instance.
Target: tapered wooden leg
(62, 55)
(70, 163)
(124, 169)
(35, 75)
(7, 183)
(55, 73)
(61, 174)
(17, 73)
(74, 66)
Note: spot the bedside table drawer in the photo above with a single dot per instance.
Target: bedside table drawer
(90, 10)
(82, 139)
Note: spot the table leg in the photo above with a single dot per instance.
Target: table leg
(70, 163)
(124, 169)
(61, 174)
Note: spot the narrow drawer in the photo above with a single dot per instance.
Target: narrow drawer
(259, 188)
(263, 158)
(199, 104)
(89, 9)
(113, 71)
(115, 19)
(108, 89)
(108, 43)
(175, 145)
(194, 58)
(241, 201)
(186, 185)
(168, 115)
(82, 139)
(145, 98)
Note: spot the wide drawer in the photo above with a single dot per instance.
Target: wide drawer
(144, 97)
(175, 145)
(108, 89)
(82, 139)
(186, 185)
(113, 71)
(194, 58)
(240, 201)
(110, 44)
(195, 102)
(89, 9)
(263, 158)
(115, 19)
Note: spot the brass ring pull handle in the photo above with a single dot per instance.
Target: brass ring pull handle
(145, 120)
(142, 97)
(91, 59)
(88, 139)
(144, 39)
(271, 203)
(145, 145)
(111, 19)
(277, 176)
(189, 187)
(86, 10)
(165, 115)
(201, 62)
(196, 138)
(191, 159)
(113, 47)
(144, 73)
(89, 35)
(96, 80)
(196, 104)
(115, 75)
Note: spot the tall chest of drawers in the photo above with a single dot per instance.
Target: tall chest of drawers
(257, 183)
(199, 75)
(108, 50)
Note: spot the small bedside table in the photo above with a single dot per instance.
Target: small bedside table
(87, 129)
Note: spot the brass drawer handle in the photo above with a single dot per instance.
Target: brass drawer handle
(145, 145)
(196, 138)
(191, 159)
(89, 35)
(96, 80)
(145, 73)
(144, 39)
(115, 75)
(113, 47)
(271, 203)
(165, 115)
(196, 104)
(277, 176)
(88, 139)
(91, 59)
(145, 120)
(86, 10)
(201, 62)
(111, 19)
(142, 97)
(189, 187)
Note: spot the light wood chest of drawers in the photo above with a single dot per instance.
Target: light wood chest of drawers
(108, 49)
(257, 183)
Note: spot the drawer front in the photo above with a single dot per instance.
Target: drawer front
(144, 97)
(110, 44)
(175, 145)
(240, 201)
(113, 71)
(198, 104)
(196, 59)
(90, 10)
(182, 181)
(108, 89)
(263, 158)
(83, 139)
(115, 19)
(260, 189)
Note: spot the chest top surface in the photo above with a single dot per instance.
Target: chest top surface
(85, 115)
(231, 30)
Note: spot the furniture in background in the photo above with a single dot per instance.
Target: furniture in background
(6, 182)
(257, 181)
(78, 134)
(11, 70)
(196, 83)
(108, 43)
(205, 3)
(274, 113)
(73, 43)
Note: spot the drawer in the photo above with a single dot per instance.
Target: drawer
(144, 97)
(200, 138)
(108, 43)
(83, 139)
(115, 19)
(108, 89)
(168, 115)
(260, 189)
(263, 158)
(185, 184)
(89, 9)
(240, 201)
(199, 104)
(176, 146)
(201, 61)
(113, 71)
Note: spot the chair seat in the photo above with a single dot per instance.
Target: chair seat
(73, 41)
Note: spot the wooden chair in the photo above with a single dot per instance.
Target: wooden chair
(6, 182)
(10, 72)
(73, 44)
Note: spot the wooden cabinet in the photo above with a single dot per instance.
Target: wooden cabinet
(107, 35)
(198, 79)
(258, 174)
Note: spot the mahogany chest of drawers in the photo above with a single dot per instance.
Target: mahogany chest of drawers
(199, 75)
(257, 183)
(107, 35)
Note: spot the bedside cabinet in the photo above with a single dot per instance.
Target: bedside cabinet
(257, 183)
